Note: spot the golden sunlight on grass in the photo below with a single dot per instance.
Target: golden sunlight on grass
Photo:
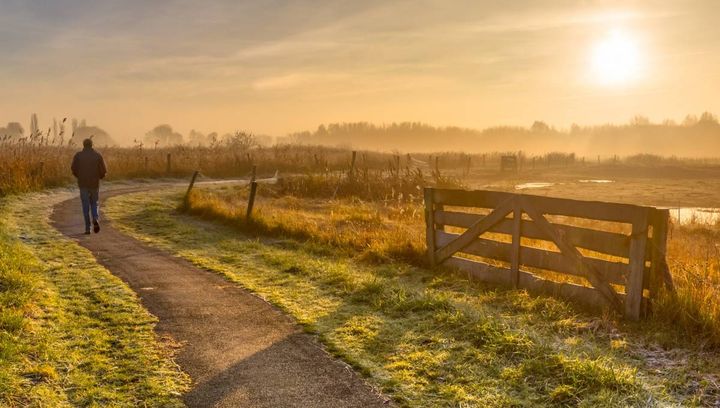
(394, 230)
(427, 338)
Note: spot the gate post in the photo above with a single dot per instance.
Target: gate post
(516, 237)
(430, 225)
(659, 273)
(634, 286)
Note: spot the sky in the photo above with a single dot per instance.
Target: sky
(273, 67)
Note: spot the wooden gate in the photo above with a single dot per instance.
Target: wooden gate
(516, 238)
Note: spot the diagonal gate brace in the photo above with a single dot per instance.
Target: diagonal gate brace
(481, 226)
(574, 256)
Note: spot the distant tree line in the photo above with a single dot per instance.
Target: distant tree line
(56, 133)
(694, 136)
(164, 136)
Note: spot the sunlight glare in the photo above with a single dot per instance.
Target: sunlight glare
(616, 59)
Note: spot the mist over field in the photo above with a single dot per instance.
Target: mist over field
(316, 203)
(694, 137)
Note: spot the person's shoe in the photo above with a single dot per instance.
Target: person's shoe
(96, 226)
(87, 232)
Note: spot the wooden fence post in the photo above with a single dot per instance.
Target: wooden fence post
(253, 174)
(430, 225)
(352, 166)
(169, 163)
(659, 273)
(192, 183)
(634, 287)
(251, 201)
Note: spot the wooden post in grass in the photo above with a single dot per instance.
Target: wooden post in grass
(660, 273)
(169, 163)
(251, 200)
(192, 183)
(351, 174)
(253, 190)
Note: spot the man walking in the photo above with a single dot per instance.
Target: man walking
(88, 167)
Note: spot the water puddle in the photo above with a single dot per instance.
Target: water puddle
(526, 186)
(695, 215)
(596, 181)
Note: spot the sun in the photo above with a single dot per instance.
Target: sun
(616, 59)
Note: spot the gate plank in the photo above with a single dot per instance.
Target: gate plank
(472, 233)
(610, 243)
(494, 275)
(596, 210)
(613, 272)
(574, 256)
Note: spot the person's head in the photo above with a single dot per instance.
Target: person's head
(87, 143)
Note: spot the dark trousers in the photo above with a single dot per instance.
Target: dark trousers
(89, 199)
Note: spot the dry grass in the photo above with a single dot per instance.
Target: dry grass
(378, 215)
(373, 210)
(389, 225)
(34, 164)
(694, 260)
(433, 338)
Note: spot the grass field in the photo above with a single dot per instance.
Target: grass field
(437, 339)
(378, 230)
(71, 333)
(34, 165)
(342, 251)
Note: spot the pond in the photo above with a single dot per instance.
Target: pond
(695, 215)
(526, 186)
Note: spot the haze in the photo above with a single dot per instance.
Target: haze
(278, 67)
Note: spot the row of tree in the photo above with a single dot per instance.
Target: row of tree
(694, 136)
(56, 133)
(164, 135)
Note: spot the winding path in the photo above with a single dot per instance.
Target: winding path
(239, 350)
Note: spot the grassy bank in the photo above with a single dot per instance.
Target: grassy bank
(394, 230)
(358, 228)
(72, 334)
(436, 339)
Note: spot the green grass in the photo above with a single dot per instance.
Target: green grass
(381, 231)
(71, 333)
(434, 338)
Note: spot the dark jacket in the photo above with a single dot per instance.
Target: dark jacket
(88, 167)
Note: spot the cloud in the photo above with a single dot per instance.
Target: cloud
(297, 79)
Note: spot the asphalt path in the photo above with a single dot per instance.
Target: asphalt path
(239, 350)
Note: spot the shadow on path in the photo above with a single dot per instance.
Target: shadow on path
(239, 350)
